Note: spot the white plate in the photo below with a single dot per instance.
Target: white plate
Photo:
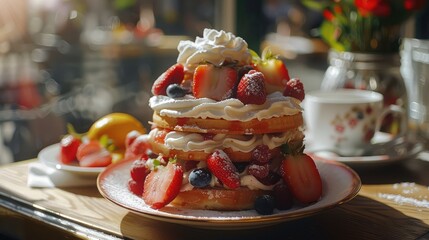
(340, 184)
(400, 152)
(50, 156)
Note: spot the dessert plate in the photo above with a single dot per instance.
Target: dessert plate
(50, 156)
(340, 184)
(393, 153)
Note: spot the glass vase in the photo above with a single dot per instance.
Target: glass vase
(369, 71)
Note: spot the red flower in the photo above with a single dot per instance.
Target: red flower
(377, 7)
(328, 15)
(414, 4)
(382, 10)
(367, 5)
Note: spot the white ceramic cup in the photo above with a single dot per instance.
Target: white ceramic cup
(344, 120)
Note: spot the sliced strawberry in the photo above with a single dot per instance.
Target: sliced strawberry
(302, 177)
(162, 185)
(139, 147)
(173, 75)
(294, 88)
(217, 83)
(68, 148)
(275, 71)
(222, 167)
(251, 89)
(92, 154)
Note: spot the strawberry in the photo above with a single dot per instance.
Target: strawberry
(222, 167)
(135, 187)
(275, 71)
(217, 83)
(251, 89)
(162, 185)
(294, 88)
(68, 148)
(302, 177)
(92, 154)
(174, 74)
(131, 136)
(138, 148)
(139, 170)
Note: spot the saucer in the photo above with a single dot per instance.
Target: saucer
(399, 152)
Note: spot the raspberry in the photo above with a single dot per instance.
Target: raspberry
(294, 88)
(259, 171)
(261, 154)
(251, 89)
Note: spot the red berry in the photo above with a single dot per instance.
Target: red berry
(139, 170)
(139, 147)
(302, 177)
(131, 136)
(294, 88)
(173, 75)
(135, 187)
(162, 185)
(261, 154)
(68, 148)
(92, 154)
(283, 197)
(258, 171)
(251, 89)
(271, 179)
(222, 167)
(217, 83)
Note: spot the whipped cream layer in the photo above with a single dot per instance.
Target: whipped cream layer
(230, 109)
(214, 47)
(244, 143)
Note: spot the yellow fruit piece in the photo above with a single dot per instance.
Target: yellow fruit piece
(116, 126)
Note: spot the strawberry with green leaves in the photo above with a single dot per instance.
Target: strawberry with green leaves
(275, 71)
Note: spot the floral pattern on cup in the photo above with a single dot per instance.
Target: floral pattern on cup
(351, 119)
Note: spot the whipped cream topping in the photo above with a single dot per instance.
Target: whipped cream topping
(244, 143)
(214, 47)
(230, 109)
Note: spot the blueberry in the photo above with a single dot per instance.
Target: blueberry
(264, 204)
(241, 166)
(200, 177)
(176, 91)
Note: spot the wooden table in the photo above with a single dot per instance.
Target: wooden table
(393, 204)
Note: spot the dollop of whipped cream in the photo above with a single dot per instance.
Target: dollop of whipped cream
(230, 109)
(244, 143)
(215, 47)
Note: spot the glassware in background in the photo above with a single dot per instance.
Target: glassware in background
(415, 70)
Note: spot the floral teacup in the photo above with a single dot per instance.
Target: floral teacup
(345, 120)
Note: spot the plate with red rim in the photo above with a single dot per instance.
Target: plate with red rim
(340, 185)
(50, 156)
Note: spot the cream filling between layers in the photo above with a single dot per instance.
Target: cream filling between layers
(186, 142)
(230, 109)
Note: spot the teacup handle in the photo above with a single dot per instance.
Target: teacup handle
(393, 109)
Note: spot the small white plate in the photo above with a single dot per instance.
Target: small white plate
(340, 184)
(400, 152)
(50, 156)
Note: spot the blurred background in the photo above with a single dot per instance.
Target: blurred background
(73, 61)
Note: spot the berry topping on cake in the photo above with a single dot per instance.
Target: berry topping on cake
(222, 167)
(275, 71)
(251, 89)
(217, 83)
(294, 88)
(173, 75)
(176, 91)
(264, 204)
(200, 177)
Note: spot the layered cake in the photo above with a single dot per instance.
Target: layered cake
(227, 132)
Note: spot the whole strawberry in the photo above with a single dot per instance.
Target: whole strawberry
(251, 89)
(174, 74)
(294, 88)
